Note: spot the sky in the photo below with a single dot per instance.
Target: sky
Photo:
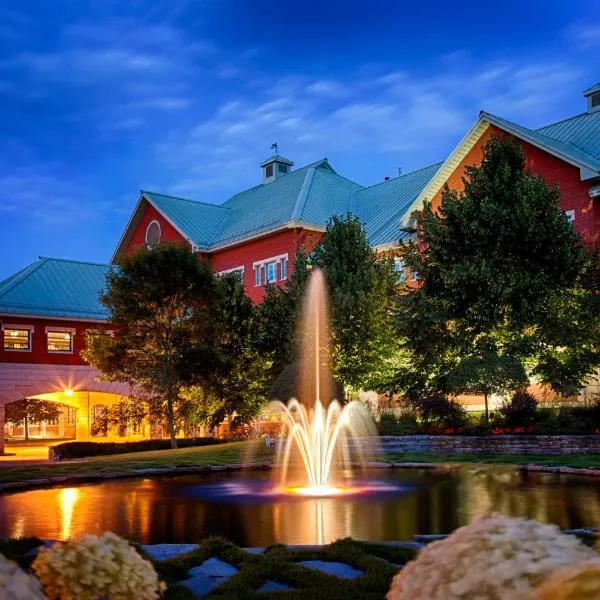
(102, 98)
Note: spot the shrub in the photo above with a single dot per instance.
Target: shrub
(403, 424)
(520, 410)
(439, 412)
(83, 449)
(15, 584)
(498, 558)
(105, 566)
(572, 583)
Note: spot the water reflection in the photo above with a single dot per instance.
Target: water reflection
(181, 509)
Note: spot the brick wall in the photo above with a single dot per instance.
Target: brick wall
(574, 192)
(505, 444)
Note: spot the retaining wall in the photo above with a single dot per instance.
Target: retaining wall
(492, 444)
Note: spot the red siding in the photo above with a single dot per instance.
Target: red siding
(168, 233)
(574, 192)
(39, 353)
(245, 254)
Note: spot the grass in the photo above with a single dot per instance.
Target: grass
(279, 563)
(223, 454)
(254, 453)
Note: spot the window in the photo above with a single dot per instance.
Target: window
(284, 268)
(400, 268)
(269, 171)
(271, 272)
(258, 275)
(595, 100)
(17, 338)
(570, 216)
(283, 168)
(152, 234)
(60, 341)
(69, 415)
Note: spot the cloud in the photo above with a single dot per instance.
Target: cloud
(586, 35)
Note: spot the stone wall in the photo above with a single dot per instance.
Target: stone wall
(493, 444)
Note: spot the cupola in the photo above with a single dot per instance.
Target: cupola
(275, 166)
(593, 98)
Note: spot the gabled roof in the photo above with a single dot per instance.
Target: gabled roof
(58, 288)
(575, 140)
(276, 158)
(592, 90)
(382, 206)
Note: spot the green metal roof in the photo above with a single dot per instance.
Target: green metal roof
(197, 221)
(581, 131)
(594, 88)
(52, 287)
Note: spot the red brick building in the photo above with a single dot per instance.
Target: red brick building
(257, 233)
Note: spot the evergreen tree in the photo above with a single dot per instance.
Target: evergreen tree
(500, 269)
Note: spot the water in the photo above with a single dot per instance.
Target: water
(317, 429)
(189, 508)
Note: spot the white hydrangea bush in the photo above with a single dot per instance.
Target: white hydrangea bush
(15, 584)
(93, 567)
(496, 558)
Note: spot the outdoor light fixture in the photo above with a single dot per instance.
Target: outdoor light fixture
(68, 392)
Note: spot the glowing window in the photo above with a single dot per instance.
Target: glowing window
(60, 341)
(17, 339)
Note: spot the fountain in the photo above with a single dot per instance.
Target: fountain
(322, 436)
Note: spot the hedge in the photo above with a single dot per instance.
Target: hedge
(83, 449)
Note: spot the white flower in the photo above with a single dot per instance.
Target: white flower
(96, 567)
(15, 584)
(498, 558)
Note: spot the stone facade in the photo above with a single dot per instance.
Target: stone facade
(492, 444)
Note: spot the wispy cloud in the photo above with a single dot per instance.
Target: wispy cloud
(585, 35)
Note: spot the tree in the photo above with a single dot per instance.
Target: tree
(160, 303)
(29, 410)
(501, 270)
(361, 287)
(239, 382)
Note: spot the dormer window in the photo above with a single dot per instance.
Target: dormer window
(595, 100)
(268, 171)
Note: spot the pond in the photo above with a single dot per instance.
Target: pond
(189, 508)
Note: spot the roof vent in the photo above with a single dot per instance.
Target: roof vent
(275, 166)
(593, 98)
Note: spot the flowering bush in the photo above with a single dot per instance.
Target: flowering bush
(15, 584)
(572, 583)
(105, 566)
(497, 558)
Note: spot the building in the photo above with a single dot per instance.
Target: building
(45, 309)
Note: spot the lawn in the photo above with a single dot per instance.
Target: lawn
(253, 453)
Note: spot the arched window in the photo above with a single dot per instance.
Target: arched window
(152, 234)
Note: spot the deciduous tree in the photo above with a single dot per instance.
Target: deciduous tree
(29, 410)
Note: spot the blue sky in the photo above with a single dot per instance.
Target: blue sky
(99, 99)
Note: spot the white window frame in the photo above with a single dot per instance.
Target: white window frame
(146, 233)
(283, 262)
(258, 275)
(400, 268)
(70, 330)
(271, 275)
(570, 215)
(17, 326)
(262, 266)
(239, 269)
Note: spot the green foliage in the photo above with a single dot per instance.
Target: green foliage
(160, 302)
(29, 410)
(504, 279)
(403, 424)
(521, 410)
(439, 412)
(361, 289)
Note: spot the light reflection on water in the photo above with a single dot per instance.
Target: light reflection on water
(186, 509)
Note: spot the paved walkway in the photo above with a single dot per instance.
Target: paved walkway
(23, 454)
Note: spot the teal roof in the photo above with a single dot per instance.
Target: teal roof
(382, 206)
(557, 141)
(594, 88)
(581, 132)
(276, 158)
(52, 287)
(198, 221)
